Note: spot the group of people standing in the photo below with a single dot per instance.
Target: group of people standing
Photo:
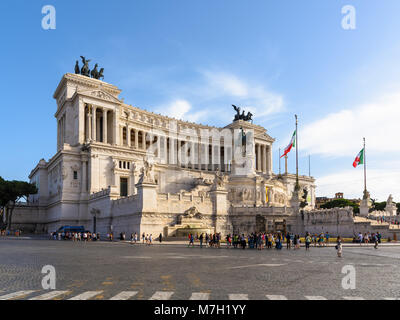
(75, 236)
(374, 238)
(146, 238)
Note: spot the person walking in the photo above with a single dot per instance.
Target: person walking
(150, 239)
(339, 247)
(308, 241)
(288, 241)
(135, 238)
(160, 237)
(143, 237)
(201, 240)
(375, 239)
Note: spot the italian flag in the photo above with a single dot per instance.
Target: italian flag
(359, 159)
(291, 145)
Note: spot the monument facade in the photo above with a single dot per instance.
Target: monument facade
(120, 168)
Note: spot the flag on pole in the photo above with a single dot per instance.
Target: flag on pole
(359, 159)
(291, 145)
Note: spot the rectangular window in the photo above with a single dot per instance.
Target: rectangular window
(123, 187)
(75, 175)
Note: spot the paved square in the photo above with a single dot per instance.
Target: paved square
(104, 270)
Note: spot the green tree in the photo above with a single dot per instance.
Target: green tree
(341, 203)
(379, 206)
(10, 193)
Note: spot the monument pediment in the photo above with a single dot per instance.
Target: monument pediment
(100, 94)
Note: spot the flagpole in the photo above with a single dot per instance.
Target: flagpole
(279, 161)
(309, 165)
(365, 172)
(297, 187)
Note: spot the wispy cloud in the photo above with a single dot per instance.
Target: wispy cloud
(341, 133)
(181, 109)
(208, 98)
(339, 136)
(381, 183)
(255, 97)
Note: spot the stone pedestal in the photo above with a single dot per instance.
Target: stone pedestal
(297, 213)
(295, 202)
(220, 209)
(365, 205)
(147, 196)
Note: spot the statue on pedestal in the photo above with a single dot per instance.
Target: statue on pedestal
(242, 116)
(85, 71)
(147, 173)
(220, 180)
(391, 207)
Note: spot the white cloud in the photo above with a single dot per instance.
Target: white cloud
(252, 97)
(341, 133)
(181, 109)
(380, 183)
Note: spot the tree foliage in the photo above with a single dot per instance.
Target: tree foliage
(379, 205)
(341, 203)
(10, 193)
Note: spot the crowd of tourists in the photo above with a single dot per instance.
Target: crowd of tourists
(368, 238)
(75, 236)
(254, 240)
(383, 220)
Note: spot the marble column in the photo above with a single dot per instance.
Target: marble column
(128, 136)
(165, 153)
(159, 147)
(136, 139)
(87, 119)
(258, 157)
(94, 109)
(144, 140)
(193, 154)
(105, 140)
(269, 159)
(264, 159)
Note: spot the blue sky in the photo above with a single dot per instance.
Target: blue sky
(193, 59)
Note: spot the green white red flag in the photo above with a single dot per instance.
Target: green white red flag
(291, 145)
(359, 159)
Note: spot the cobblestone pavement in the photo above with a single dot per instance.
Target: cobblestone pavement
(119, 270)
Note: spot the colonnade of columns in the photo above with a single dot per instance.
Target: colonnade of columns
(263, 158)
(183, 152)
(99, 124)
